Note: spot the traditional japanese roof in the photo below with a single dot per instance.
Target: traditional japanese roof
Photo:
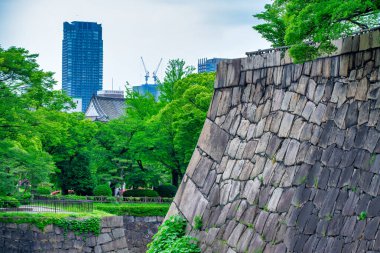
(102, 108)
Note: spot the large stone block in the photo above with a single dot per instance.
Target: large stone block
(213, 140)
(228, 73)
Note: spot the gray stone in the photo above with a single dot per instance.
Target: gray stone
(352, 115)
(286, 100)
(273, 201)
(374, 207)
(319, 91)
(308, 110)
(286, 125)
(340, 116)
(202, 170)
(249, 149)
(372, 139)
(311, 89)
(297, 128)
(302, 84)
(318, 113)
(245, 240)
(372, 228)
(363, 113)
(243, 128)
(213, 140)
(339, 94)
(251, 190)
(291, 153)
(103, 238)
(361, 91)
(300, 106)
(263, 143)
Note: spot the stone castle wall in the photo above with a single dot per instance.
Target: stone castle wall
(139, 231)
(289, 156)
(119, 234)
(20, 238)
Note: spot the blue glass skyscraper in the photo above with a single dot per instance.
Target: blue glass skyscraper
(208, 65)
(82, 60)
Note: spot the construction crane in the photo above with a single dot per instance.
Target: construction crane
(146, 71)
(155, 72)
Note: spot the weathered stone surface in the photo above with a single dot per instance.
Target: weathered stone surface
(286, 125)
(213, 140)
(301, 157)
(361, 91)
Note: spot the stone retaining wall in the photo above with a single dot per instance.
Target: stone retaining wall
(118, 235)
(289, 156)
(139, 231)
(20, 238)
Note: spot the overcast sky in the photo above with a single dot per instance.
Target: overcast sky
(187, 29)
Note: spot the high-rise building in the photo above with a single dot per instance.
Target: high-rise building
(82, 60)
(208, 65)
(148, 88)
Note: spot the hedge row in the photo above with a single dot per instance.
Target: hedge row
(134, 209)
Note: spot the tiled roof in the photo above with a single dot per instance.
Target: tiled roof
(108, 107)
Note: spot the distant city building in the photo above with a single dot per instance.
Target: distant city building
(111, 93)
(208, 65)
(82, 60)
(78, 104)
(106, 105)
(148, 88)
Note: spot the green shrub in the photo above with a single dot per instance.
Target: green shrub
(43, 190)
(167, 191)
(6, 202)
(171, 238)
(198, 223)
(103, 190)
(72, 197)
(362, 215)
(23, 198)
(133, 209)
(140, 193)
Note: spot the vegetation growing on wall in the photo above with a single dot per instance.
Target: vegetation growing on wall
(78, 223)
(171, 238)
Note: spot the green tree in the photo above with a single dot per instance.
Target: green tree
(309, 27)
(170, 136)
(25, 90)
(175, 71)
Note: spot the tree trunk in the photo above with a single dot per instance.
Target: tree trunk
(175, 177)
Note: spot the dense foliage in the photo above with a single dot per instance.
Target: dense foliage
(6, 201)
(103, 190)
(171, 238)
(140, 193)
(40, 142)
(166, 191)
(310, 26)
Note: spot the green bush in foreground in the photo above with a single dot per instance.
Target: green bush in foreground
(8, 202)
(103, 190)
(133, 209)
(43, 190)
(140, 193)
(171, 238)
(167, 191)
